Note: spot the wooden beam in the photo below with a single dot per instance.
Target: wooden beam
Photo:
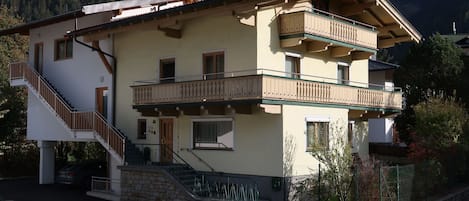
(375, 18)
(95, 37)
(291, 42)
(249, 21)
(340, 51)
(216, 109)
(271, 109)
(388, 27)
(350, 10)
(103, 58)
(392, 41)
(359, 55)
(317, 46)
(170, 32)
(243, 109)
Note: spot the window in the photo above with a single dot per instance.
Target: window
(214, 65)
(63, 49)
(213, 134)
(141, 129)
(167, 70)
(317, 134)
(292, 67)
(343, 74)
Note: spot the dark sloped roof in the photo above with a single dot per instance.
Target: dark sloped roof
(374, 65)
(23, 29)
(193, 7)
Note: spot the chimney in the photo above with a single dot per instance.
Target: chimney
(454, 28)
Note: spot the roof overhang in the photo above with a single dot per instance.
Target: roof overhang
(391, 25)
(118, 5)
(23, 29)
(172, 16)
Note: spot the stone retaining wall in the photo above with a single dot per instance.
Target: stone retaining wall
(150, 184)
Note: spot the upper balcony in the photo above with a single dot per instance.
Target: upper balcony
(320, 31)
(265, 87)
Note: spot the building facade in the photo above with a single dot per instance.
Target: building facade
(215, 92)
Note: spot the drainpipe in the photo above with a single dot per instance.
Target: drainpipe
(114, 70)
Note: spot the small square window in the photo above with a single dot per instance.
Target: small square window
(317, 135)
(63, 49)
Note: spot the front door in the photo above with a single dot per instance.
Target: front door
(166, 140)
(38, 57)
(101, 101)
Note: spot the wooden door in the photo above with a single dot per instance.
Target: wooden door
(166, 140)
(101, 101)
(38, 57)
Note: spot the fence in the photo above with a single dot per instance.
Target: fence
(370, 182)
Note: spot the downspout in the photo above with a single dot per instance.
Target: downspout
(113, 73)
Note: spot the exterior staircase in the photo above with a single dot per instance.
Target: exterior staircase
(79, 123)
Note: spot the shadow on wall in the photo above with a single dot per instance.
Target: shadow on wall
(360, 139)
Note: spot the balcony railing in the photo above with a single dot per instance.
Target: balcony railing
(267, 85)
(329, 26)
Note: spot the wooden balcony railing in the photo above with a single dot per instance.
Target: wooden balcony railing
(265, 87)
(329, 26)
(75, 120)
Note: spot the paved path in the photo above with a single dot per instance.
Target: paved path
(29, 190)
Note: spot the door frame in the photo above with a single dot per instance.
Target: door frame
(163, 149)
(37, 67)
(99, 99)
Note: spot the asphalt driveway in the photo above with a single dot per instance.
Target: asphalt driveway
(29, 190)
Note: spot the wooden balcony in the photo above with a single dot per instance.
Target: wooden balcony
(265, 88)
(320, 31)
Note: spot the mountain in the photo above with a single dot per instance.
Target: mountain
(31, 10)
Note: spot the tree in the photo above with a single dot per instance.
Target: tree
(336, 170)
(433, 66)
(12, 49)
(439, 125)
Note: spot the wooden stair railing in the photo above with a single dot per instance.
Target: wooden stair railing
(75, 120)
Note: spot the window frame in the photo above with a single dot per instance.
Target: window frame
(346, 73)
(193, 143)
(317, 146)
(165, 61)
(295, 72)
(204, 65)
(56, 49)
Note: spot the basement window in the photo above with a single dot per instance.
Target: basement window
(63, 49)
(213, 134)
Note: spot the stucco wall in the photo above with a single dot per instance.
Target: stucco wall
(139, 54)
(78, 77)
(43, 125)
(297, 161)
(320, 66)
(257, 146)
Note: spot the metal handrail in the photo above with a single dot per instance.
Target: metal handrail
(199, 158)
(269, 72)
(165, 146)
